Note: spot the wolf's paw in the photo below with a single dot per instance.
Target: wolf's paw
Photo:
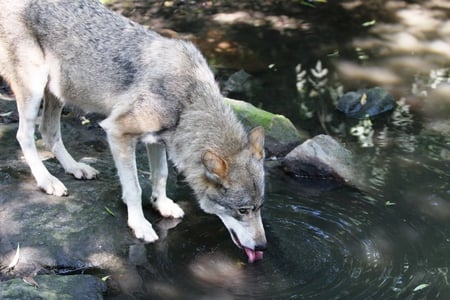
(168, 209)
(143, 230)
(52, 186)
(82, 171)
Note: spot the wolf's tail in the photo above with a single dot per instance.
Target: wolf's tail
(5, 91)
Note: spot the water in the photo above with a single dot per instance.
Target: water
(389, 241)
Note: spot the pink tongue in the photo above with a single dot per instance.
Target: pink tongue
(253, 255)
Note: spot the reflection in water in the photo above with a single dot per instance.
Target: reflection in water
(215, 270)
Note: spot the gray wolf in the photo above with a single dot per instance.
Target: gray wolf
(149, 87)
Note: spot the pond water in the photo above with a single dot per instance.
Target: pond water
(389, 241)
(324, 243)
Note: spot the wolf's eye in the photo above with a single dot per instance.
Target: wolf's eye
(244, 211)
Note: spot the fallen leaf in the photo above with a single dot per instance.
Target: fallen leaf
(110, 211)
(7, 114)
(85, 121)
(363, 99)
(240, 264)
(369, 23)
(420, 287)
(31, 281)
(15, 260)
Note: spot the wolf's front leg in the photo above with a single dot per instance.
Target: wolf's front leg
(123, 150)
(158, 164)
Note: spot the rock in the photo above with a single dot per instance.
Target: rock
(324, 158)
(281, 134)
(366, 103)
(238, 82)
(62, 234)
(242, 84)
(53, 287)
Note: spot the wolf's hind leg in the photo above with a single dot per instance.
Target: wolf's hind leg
(28, 87)
(51, 133)
(158, 164)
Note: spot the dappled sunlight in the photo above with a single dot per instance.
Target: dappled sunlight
(432, 205)
(385, 237)
(218, 269)
(418, 20)
(124, 274)
(375, 75)
(437, 102)
(415, 41)
(407, 65)
(370, 34)
(257, 19)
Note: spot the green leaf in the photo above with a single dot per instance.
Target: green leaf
(109, 211)
(15, 260)
(369, 23)
(305, 3)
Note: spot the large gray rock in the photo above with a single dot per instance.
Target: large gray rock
(53, 287)
(59, 232)
(70, 234)
(323, 157)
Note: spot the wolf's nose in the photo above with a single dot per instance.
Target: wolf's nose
(261, 247)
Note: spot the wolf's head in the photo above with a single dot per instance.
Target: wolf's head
(234, 192)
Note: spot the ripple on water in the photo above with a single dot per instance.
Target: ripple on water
(334, 249)
(340, 245)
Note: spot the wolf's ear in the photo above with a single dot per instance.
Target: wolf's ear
(216, 166)
(256, 141)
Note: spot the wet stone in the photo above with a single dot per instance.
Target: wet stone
(366, 103)
(322, 157)
(53, 287)
(63, 235)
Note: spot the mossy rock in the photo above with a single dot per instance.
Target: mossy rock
(281, 134)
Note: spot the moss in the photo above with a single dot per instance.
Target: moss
(277, 127)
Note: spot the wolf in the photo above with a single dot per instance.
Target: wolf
(149, 88)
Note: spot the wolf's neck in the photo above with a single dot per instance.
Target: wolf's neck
(207, 123)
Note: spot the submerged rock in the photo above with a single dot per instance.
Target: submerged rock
(53, 287)
(366, 103)
(323, 157)
(281, 134)
(242, 84)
